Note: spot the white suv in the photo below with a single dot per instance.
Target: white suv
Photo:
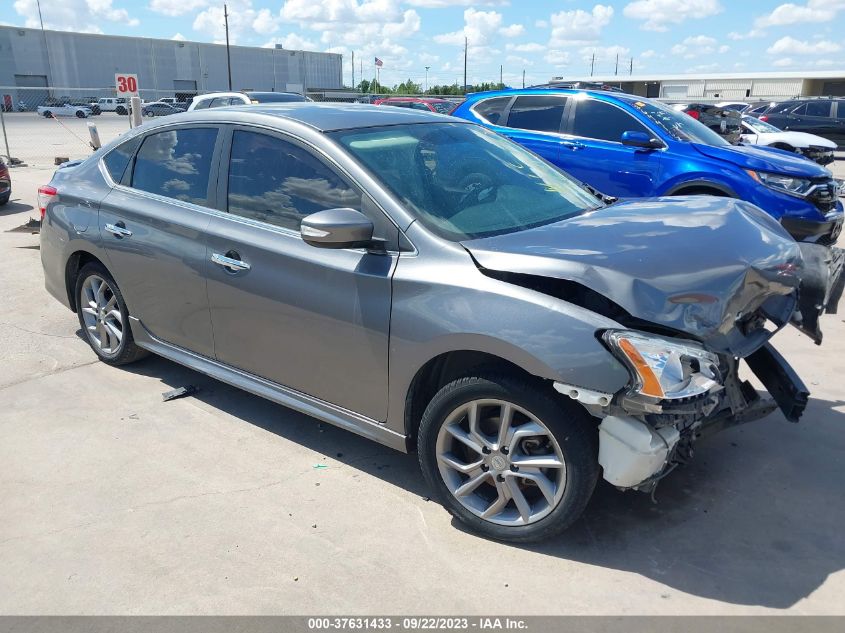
(220, 99)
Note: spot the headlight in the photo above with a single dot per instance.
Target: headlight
(779, 182)
(664, 369)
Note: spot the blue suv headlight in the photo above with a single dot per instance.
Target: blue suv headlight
(782, 183)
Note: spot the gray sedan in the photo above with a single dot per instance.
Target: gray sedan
(430, 285)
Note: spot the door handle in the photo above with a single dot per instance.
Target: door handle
(573, 145)
(230, 263)
(118, 230)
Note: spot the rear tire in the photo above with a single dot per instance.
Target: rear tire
(121, 110)
(104, 318)
(80, 114)
(515, 501)
(48, 115)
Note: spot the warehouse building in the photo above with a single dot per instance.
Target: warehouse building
(773, 86)
(37, 64)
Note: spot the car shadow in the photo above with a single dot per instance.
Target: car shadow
(14, 206)
(755, 519)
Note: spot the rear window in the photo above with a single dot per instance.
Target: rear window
(176, 164)
(542, 113)
(117, 159)
(491, 110)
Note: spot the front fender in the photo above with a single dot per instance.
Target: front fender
(452, 306)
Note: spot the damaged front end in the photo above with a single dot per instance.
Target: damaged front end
(698, 286)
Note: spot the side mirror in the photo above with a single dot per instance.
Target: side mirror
(640, 139)
(337, 228)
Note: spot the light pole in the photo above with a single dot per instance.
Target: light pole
(426, 78)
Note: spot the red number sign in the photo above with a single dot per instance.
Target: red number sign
(126, 84)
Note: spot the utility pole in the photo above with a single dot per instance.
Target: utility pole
(616, 72)
(353, 70)
(523, 78)
(426, 78)
(46, 48)
(501, 83)
(592, 64)
(466, 44)
(631, 67)
(228, 56)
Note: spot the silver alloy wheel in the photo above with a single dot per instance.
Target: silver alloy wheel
(101, 314)
(501, 462)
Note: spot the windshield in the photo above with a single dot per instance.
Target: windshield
(443, 107)
(678, 125)
(759, 126)
(462, 181)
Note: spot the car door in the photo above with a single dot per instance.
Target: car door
(600, 159)
(838, 135)
(814, 117)
(314, 320)
(534, 121)
(152, 225)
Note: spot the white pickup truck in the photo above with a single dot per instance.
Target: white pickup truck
(66, 109)
(120, 105)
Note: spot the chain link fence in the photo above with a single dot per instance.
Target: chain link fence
(46, 125)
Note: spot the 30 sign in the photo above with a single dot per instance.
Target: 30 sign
(126, 85)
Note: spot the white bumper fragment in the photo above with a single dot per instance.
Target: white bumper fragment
(630, 452)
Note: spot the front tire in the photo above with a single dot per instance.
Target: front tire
(104, 318)
(509, 458)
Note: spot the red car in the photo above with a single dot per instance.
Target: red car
(440, 106)
(5, 183)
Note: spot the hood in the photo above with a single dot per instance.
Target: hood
(796, 139)
(758, 159)
(690, 264)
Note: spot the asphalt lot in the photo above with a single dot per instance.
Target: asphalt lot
(115, 502)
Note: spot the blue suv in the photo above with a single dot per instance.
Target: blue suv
(626, 146)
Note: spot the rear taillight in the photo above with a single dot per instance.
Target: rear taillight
(46, 193)
(694, 114)
(764, 118)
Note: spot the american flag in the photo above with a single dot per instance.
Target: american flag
(379, 63)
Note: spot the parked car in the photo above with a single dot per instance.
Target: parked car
(756, 109)
(220, 99)
(427, 283)
(49, 112)
(171, 100)
(726, 122)
(816, 148)
(739, 106)
(5, 183)
(627, 146)
(160, 109)
(119, 105)
(85, 103)
(440, 106)
(822, 117)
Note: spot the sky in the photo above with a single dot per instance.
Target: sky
(545, 38)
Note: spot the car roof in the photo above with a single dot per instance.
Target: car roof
(602, 94)
(324, 117)
(413, 99)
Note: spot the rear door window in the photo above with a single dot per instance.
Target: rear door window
(782, 108)
(176, 164)
(542, 113)
(818, 108)
(603, 121)
(491, 110)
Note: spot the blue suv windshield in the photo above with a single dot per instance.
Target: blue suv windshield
(679, 125)
(463, 182)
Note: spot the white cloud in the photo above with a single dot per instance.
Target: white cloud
(657, 15)
(178, 37)
(176, 7)
(292, 42)
(479, 29)
(697, 45)
(542, 24)
(605, 54)
(578, 27)
(753, 33)
(83, 16)
(648, 54)
(557, 58)
(529, 47)
(442, 4)
(783, 62)
(514, 30)
(791, 46)
(790, 13)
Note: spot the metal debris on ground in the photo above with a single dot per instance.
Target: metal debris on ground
(181, 392)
